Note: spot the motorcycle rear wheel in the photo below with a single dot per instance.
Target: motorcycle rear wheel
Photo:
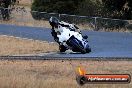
(62, 48)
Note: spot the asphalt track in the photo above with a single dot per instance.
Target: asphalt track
(103, 44)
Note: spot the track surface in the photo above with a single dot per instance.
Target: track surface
(103, 44)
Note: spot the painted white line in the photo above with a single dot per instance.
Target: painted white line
(27, 39)
(41, 54)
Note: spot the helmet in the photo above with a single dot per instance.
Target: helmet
(54, 22)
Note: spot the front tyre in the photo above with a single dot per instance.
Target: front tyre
(88, 50)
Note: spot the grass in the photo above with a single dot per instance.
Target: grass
(16, 46)
(57, 73)
(25, 2)
(26, 19)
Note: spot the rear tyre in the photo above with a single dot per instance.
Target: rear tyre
(62, 48)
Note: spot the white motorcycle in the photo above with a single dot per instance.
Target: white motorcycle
(67, 36)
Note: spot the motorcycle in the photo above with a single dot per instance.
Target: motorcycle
(68, 36)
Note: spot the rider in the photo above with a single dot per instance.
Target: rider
(54, 22)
